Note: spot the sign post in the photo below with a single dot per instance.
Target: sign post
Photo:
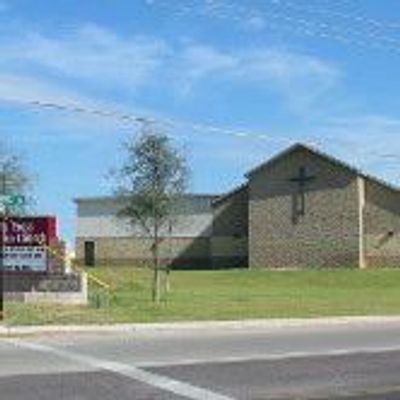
(3, 209)
(7, 201)
(2, 217)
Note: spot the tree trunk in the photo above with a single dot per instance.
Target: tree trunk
(156, 268)
(156, 284)
(167, 280)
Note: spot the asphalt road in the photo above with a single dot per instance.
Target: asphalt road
(357, 361)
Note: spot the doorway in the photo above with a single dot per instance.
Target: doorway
(90, 254)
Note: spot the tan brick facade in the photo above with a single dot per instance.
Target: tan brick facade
(301, 209)
(327, 235)
(229, 242)
(382, 226)
(135, 251)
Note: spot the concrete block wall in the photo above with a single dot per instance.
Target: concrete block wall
(327, 235)
(381, 226)
(41, 282)
(71, 289)
(136, 251)
(229, 242)
(186, 241)
(350, 220)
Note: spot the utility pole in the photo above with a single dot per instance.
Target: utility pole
(3, 214)
(12, 179)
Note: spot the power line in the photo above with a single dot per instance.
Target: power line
(326, 30)
(85, 110)
(308, 29)
(364, 32)
(372, 22)
(368, 28)
(140, 119)
(199, 127)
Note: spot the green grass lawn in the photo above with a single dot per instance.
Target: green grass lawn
(225, 295)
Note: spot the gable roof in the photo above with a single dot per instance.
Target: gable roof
(229, 194)
(300, 146)
(103, 199)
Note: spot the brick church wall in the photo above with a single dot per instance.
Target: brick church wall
(135, 251)
(229, 242)
(328, 233)
(349, 220)
(382, 225)
(185, 244)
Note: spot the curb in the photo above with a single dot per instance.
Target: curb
(263, 324)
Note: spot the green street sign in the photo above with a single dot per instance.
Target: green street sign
(12, 200)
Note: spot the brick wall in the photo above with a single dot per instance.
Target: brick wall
(118, 242)
(328, 233)
(17, 282)
(382, 225)
(229, 242)
(135, 251)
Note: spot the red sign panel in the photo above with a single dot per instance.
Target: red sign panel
(25, 241)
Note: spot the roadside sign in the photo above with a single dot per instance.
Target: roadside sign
(11, 200)
(25, 243)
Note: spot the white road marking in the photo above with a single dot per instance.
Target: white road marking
(268, 357)
(181, 388)
(162, 382)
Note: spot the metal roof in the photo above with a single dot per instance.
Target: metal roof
(232, 192)
(216, 198)
(113, 198)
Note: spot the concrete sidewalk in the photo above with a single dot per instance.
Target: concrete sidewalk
(265, 324)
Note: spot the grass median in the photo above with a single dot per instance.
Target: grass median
(224, 295)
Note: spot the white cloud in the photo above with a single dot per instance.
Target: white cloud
(56, 116)
(17, 88)
(369, 141)
(197, 62)
(255, 23)
(285, 66)
(90, 53)
(203, 60)
(300, 78)
(34, 66)
(238, 14)
(100, 58)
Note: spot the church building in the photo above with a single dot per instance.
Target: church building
(300, 209)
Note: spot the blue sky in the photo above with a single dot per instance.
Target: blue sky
(232, 82)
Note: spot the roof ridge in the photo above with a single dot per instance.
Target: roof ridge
(114, 197)
(329, 157)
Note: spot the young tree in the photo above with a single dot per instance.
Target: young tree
(151, 179)
(14, 179)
